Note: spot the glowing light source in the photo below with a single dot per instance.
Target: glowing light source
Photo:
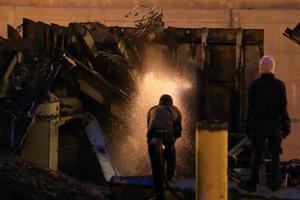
(158, 79)
(152, 86)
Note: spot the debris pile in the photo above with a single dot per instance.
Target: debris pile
(291, 172)
(151, 24)
(22, 180)
(91, 62)
(240, 161)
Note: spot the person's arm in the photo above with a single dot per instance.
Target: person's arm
(148, 118)
(285, 118)
(178, 126)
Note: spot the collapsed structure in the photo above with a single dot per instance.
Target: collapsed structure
(64, 91)
(51, 78)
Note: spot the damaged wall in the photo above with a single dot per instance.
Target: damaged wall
(273, 17)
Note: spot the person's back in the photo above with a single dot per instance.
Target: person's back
(164, 127)
(163, 117)
(267, 121)
(268, 103)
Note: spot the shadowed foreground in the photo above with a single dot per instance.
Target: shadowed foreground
(22, 180)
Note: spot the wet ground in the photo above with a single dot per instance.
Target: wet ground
(142, 186)
(263, 193)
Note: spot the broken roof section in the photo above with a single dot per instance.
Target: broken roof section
(84, 60)
(294, 34)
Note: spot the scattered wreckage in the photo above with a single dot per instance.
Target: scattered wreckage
(58, 79)
(63, 89)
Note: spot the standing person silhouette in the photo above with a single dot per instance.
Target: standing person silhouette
(267, 120)
(164, 127)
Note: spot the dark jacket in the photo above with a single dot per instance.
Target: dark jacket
(267, 107)
(165, 117)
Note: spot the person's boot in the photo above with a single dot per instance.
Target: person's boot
(171, 182)
(248, 186)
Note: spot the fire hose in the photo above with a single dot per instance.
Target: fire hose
(159, 146)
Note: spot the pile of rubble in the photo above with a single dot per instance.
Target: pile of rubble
(240, 162)
(22, 180)
(89, 61)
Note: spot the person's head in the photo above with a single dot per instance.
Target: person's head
(267, 65)
(165, 100)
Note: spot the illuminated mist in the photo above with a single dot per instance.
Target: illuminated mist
(157, 80)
